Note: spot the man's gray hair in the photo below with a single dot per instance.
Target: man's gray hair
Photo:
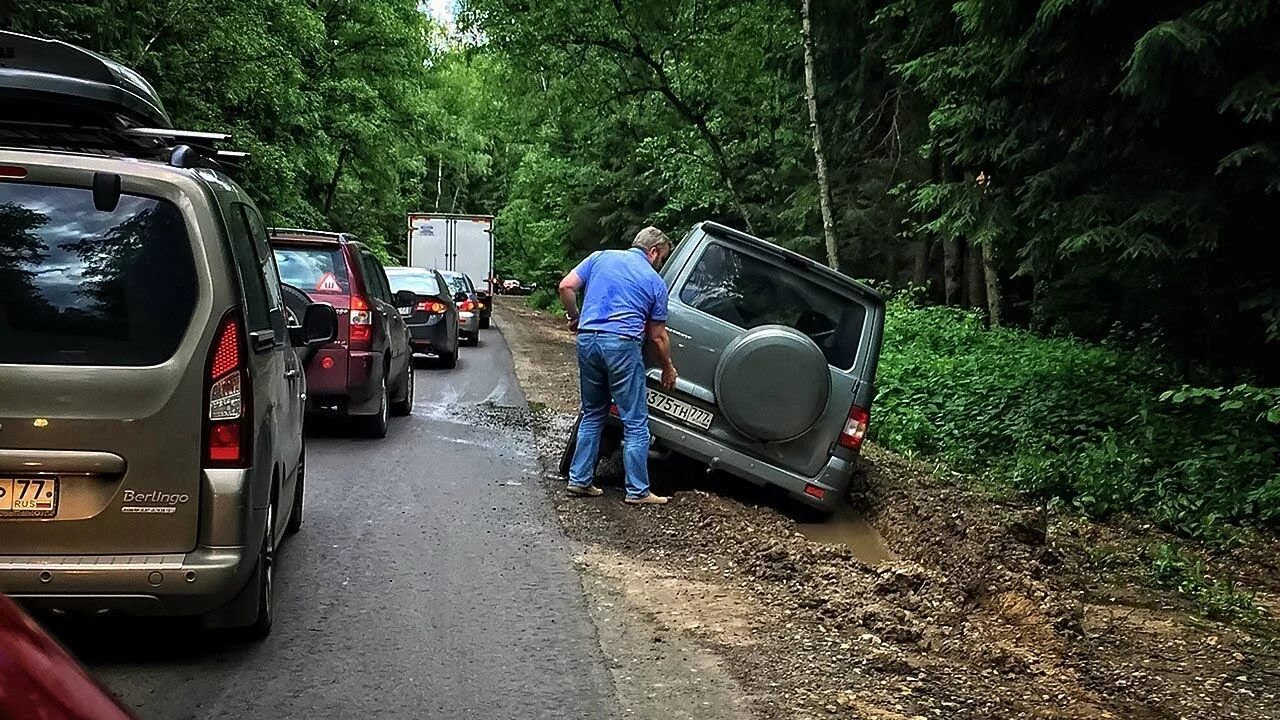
(649, 238)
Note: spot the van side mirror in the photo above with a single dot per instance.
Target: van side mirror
(406, 298)
(319, 326)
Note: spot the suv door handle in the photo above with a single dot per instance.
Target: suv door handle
(291, 374)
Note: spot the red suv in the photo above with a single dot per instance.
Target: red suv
(367, 372)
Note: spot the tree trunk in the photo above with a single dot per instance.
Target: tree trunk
(439, 182)
(995, 296)
(333, 184)
(920, 273)
(951, 261)
(819, 156)
(976, 295)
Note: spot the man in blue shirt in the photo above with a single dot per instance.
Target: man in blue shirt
(625, 301)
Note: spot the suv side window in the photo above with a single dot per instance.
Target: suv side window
(266, 269)
(375, 278)
(444, 286)
(257, 310)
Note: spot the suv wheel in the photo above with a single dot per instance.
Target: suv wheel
(375, 425)
(404, 406)
(295, 512)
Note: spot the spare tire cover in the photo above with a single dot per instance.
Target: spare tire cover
(772, 383)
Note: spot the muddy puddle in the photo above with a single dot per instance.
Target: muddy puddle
(847, 527)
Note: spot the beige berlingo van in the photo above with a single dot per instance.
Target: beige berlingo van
(151, 401)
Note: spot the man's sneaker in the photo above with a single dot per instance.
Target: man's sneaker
(649, 499)
(583, 490)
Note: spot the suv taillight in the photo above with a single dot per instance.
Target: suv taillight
(227, 397)
(466, 306)
(855, 428)
(360, 329)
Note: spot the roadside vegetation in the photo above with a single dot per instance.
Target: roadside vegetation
(1082, 194)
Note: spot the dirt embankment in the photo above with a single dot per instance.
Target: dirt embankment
(988, 608)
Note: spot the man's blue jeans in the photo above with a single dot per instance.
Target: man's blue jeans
(611, 369)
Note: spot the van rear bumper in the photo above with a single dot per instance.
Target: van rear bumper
(833, 479)
(191, 583)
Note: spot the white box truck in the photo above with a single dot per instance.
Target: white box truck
(460, 243)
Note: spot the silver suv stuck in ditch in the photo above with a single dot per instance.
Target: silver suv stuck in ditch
(777, 357)
(151, 400)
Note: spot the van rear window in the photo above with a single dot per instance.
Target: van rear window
(79, 286)
(315, 269)
(749, 292)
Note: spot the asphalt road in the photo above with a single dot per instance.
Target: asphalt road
(429, 581)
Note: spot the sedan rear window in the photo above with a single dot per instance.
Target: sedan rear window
(421, 283)
(747, 291)
(79, 286)
(315, 269)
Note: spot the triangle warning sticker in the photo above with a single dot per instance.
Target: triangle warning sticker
(328, 282)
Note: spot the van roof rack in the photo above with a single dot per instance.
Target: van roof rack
(62, 97)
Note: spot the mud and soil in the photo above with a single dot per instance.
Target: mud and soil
(974, 606)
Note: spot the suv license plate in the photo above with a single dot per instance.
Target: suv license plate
(681, 411)
(28, 497)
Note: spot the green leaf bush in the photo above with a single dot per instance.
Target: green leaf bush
(1099, 427)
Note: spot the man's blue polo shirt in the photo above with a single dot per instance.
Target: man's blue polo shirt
(623, 291)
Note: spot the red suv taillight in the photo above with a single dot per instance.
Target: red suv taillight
(227, 397)
(466, 306)
(435, 308)
(855, 428)
(360, 328)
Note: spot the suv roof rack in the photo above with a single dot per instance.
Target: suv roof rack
(58, 96)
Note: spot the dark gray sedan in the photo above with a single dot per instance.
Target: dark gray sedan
(433, 317)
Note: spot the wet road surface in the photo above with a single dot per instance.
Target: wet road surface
(429, 581)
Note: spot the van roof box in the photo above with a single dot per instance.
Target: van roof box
(57, 82)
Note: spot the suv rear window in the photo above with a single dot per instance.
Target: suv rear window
(315, 269)
(79, 286)
(747, 291)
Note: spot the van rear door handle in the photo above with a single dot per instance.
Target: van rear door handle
(291, 374)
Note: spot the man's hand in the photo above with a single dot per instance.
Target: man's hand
(573, 323)
(669, 376)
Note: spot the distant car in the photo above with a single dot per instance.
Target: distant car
(510, 286)
(432, 318)
(484, 300)
(365, 374)
(40, 679)
(777, 357)
(151, 396)
(464, 293)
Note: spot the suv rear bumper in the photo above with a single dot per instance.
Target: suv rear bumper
(833, 479)
(191, 583)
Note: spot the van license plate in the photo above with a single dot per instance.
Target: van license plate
(681, 411)
(28, 497)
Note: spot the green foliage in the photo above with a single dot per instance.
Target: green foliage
(1089, 425)
(1176, 569)
(332, 99)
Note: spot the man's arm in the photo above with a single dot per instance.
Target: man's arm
(662, 346)
(569, 288)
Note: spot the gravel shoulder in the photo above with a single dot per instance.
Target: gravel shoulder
(987, 607)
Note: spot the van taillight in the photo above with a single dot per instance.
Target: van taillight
(855, 428)
(227, 397)
(360, 328)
